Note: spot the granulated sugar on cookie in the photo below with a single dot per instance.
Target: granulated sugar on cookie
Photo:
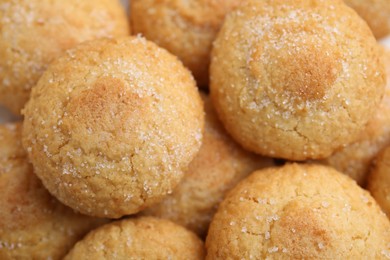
(112, 125)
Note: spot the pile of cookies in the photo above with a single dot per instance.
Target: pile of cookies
(217, 129)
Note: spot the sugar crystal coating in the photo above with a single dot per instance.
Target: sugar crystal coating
(356, 158)
(295, 79)
(317, 213)
(112, 125)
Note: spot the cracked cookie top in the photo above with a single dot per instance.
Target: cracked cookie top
(139, 238)
(33, 33)
(291, 79)
(356, 158)
(298, 212)
(112, 125)
(34, 225)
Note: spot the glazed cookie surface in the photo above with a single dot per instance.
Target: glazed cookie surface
(35, 32)
(298, 212)
(142, 238)
(33, 224)
(355, 159)
(185, 28)
(112, 125)
(295, 79)
(219, 166)
(379, 180)
(375, 12)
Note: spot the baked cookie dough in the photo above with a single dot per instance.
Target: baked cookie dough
(218, 167)
(142, 238)
(298, 212)
(35, 32)
(112, 125)
(185, 28)
(376, 13)
(379, 180)
(295, 79)
(33, 224)
(355, 159)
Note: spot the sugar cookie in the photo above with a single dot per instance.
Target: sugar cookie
(143, 238)
(295, 79)
(112, 125)
(34, 32)
(355, 159)
(33, 224)
(298, 212)
(185, 28)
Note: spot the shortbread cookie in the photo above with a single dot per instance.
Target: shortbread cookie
(298, 212)
(185, 28)
(34, 32)
(112, 125)
(295, 79)
(33, 224)
(142, 238)
(376, 13)
(219, 166)
(379, 180)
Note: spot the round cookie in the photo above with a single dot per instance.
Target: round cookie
(298, 212)
(379, 180)
(112, 125)
(376, 13)
(140, 238)
(33, 224)
(185, 28)
(35, 32)
(286, 77)
(218, 167)
(355, 159)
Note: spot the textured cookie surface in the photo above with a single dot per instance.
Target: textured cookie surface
(112, 125)
(185, 28)
(379, 180)
(298, 212)
(219, 166)
(295, 79)
(33, 224)
(355, 159)
(143, 238)
(33, 33)
(376, 13)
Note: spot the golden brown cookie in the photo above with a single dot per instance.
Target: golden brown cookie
(35, 32)
(112, 125)
(140, 238)
(185, 28)
(298, 212)
(379, 180)
(355, 159)
(219, 166)
(33, 224)
(375, 12)
(295, 79)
